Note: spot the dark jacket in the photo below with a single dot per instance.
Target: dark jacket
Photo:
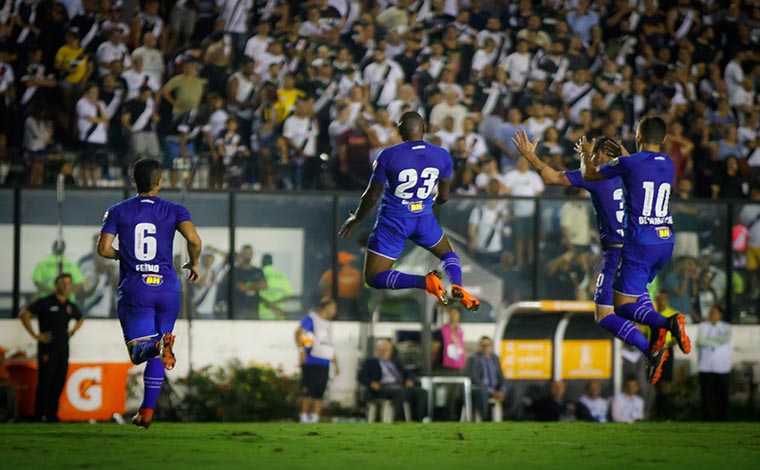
(474, 370)
(371, 371)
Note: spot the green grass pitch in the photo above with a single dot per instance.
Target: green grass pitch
(675, 446)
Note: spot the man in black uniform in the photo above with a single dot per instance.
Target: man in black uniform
(53, 313)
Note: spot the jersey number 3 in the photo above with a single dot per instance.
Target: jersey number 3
(408, 179)
(145, 243)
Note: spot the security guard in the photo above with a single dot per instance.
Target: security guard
(53, 313)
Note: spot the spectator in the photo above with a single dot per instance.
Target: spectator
(750, 217)
(73, 65)
(152, 59)
(447, 135)
(715, 348)
(581, 20)
(489, 172)
(554, 406)
(382, 133)
(234, 157)
(149, 21)
(249, 282)
(729, 145)
(517, 65)
(137, 77)
(7, 392)
(316, 351)
(486, 227)
(575, 223)
(504, 135)
(138, 119)
(97, 297)
(729, 183)
(180, 145)
(627, 406)
(38, 143)
(112, 55)
(522, 181)
(258, 44)
(687, 218)
(488, 383)
(385, 377)
(592, 406)
(301, 131)
(538, 123)
(682, 284)
(53, 312)
(706, 296)
(278, 290)
(182, 22)
(450, 357)
(184, 92)
(450, 107)
(564, 276)
(241, 95)
(93, 122)
(679, 148)
(38, 85)
(384, 77)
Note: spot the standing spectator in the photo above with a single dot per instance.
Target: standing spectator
(627, 406)
(184, 92)
(450, 357)
(278, 289)
(180, 145)
(316, 351)
(258, 44)
(138, 119)
(484, 369)
(113, 55)
(53, 313)
(592, 406)
(517, 65)
(474, 142)
(729, 183)
(241, 92)
(384, 77)
(686, 216)
(385, 377)
(486, 228)
(137, 77)
(234, 156)
(149, 21)
(750, 217)
(152, 59)
(350, 285)
(235, 14)
(73, 65)
(301, 130)
(46, 272)
(682, 285)
(92, 122)
(37, 83)
(577, 95)
(706, 296)
(581, 20)
(249, 281)
(182, 22)
(382, 133)
(504, 135)
(449, 107)
(523, 181)
(729, 145)
(575, 223)
(38, 137)
(715, 348)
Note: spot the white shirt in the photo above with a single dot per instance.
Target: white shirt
(627, 409)
(448, 139)
(384, 88)
(537, 128)
(488, 220)
(443, 109)
(715, 347)
(483, 58)
(383, 136)
(256, 46)
(476, 146)
(575, 219)
(482, 180)
(109, 52)
(734, 76)
(300, 130)
(217, 122)
(235, 14)
(742, 97)
(153, 62)
(323, 347)
(572, 91)
(86, 109)
(749, 215)
(6, 76)
(598, 407)
(394, 109)
(524, 184)
(135, 79)
(517, 66)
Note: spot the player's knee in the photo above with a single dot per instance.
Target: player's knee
(372, 280)
(602, 313)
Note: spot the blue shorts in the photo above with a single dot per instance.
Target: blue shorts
(610, 262)
(172, 153)
(388, 237)
(639, 266)
(147, 311)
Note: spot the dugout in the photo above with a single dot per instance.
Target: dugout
(554, 340)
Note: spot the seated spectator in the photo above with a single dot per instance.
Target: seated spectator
(387, 378)
(591, 405)
(554, 406)
(627, 406)
(484, 369)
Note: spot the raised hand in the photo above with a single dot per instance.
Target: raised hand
(583, 146)
(614, 149)
(523, 143)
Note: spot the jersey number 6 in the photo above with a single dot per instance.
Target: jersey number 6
(145, 244)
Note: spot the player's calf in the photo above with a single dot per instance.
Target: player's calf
(166, 343)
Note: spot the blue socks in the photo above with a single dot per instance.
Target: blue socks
(144, 350)
(452, 268)
(642, 311)
(626, 331)
(397, 280)
(153, 377)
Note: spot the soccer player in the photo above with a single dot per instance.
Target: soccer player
(149, 290)
(648, 245)
(609, 206)
(407, 175)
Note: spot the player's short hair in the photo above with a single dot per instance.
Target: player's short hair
(411, 123)
(62, 276)
(146, 173)
(652, 129)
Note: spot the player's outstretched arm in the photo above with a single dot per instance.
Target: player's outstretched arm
(589, 170)
(105, 246)
(194, 245)
(367, 202)
(528, 150)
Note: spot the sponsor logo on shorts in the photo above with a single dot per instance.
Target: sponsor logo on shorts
(416, 206)
(664, 232)
(152, 279)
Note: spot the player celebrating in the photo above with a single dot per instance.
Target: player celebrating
(607, 200)
(647, 177)
(406, 175)
(149, 288)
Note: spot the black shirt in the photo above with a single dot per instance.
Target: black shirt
(53, 316)
(247, 303)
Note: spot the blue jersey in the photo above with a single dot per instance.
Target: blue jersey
(410, 172)
(145, 227)
(609, 205)
(647, 178)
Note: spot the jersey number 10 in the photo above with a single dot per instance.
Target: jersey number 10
(408, 179)
(145, 244)
(663, 199)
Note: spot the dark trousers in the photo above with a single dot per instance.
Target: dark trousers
(52, 367)
(416, 396)
(480, 397)
(714, 390)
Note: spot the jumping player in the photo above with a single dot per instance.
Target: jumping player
(648, 246)
(407, 175)
(149, 290)
(608, 203)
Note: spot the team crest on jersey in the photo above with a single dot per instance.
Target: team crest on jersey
(152, 279)
(614, 161)
(105, 216)
(664, 232)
